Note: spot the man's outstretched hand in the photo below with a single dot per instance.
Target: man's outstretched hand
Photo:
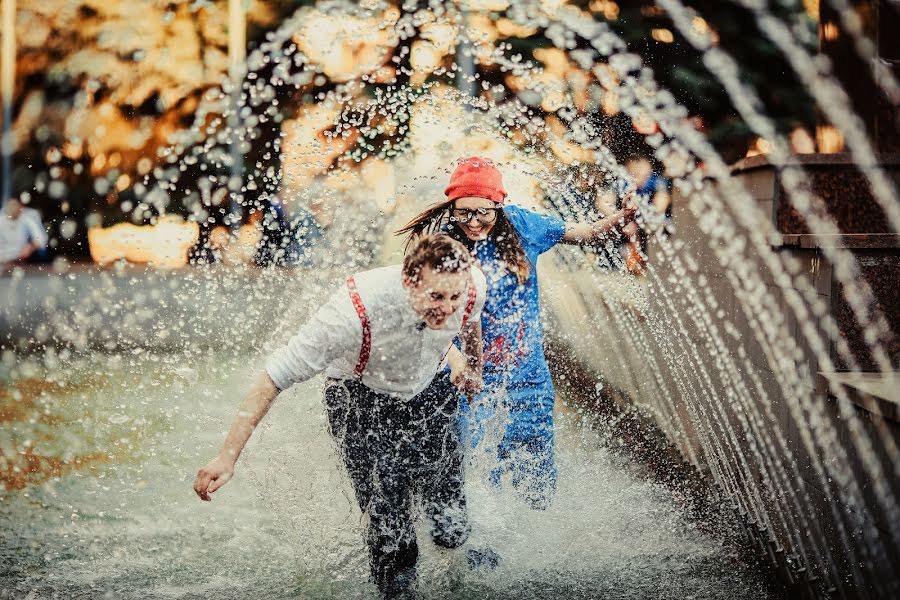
(465, 375)
(467, 380)
(213, 476)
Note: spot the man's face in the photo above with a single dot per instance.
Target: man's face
(436, 296)
(639, 168)
(13, 208)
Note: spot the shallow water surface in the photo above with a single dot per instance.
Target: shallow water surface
(99, 457)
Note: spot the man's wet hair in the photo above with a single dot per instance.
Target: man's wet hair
(440, 252)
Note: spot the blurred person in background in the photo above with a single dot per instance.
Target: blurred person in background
(22, 234)
(575, 197)
(651, 198)
(288, 237)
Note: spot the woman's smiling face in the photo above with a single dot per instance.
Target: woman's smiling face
(475, 229)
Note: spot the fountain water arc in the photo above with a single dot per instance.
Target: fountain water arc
(720, 343)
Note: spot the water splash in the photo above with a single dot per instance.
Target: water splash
(414, 129)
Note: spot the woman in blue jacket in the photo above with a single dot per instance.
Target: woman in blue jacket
(506, 240)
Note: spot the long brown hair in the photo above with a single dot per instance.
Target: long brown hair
(509, 246)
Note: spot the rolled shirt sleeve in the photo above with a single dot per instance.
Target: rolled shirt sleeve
(333, 332)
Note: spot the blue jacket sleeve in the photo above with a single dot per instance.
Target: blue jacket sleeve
(539, 232)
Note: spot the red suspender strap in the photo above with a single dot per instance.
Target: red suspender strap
(470, 306)
(366, 347)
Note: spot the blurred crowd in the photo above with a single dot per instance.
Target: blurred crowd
(290, 233)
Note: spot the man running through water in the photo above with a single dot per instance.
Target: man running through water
(381, 341)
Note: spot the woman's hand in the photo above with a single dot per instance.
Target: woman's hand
(629, 207)
(629, 213)
(213, 476)
(598, 231)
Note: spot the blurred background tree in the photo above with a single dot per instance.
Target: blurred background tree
(102, 86)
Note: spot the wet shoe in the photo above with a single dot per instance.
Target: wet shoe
(483, 558)
(399, 587)
(401, 593)
(407, 594)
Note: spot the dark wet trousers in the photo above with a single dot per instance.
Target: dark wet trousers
(396, 450)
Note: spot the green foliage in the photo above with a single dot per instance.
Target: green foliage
(82, 66)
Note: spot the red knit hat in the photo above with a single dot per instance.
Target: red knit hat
(476, 177)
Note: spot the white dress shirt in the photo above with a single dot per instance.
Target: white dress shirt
(15, 233)
(404, 357)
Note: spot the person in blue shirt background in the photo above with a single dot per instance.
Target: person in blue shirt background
(506, 241)
(650, 192)
(286, 240)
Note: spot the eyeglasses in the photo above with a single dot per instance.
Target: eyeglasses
(464, 215)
